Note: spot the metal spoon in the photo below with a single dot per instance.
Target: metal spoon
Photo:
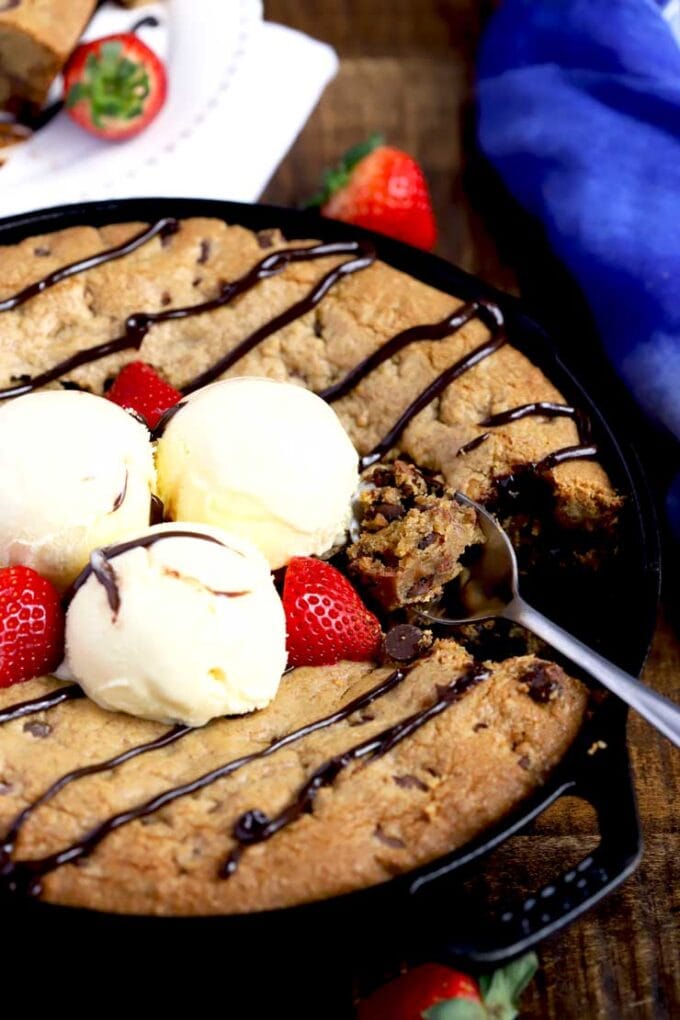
(491, 589)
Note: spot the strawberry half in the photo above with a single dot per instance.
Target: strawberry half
(383, 189)
(115, 86)
(326, 621)
(31, 625)
(139, 388)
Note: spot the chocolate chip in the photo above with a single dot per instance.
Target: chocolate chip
(108, 383)
(410, 782)
(198, 280)
(382, 477)
(480, 726)
(165, 298)
(391, 841)
(22, 379)
(318, 329)
(389, 511)
(428, 540)
(404, 642)
(42, 250)
(387, 558)
(265, 238)
(542, 682)
(524, 762)
(69, 384)
(421, 587)
(250, 826)
(38, 729)
(204, 253)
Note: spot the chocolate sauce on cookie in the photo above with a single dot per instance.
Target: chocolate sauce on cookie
(162, 228)
(365, 256)
(431, 331)
(580, 451)
(9, 840)
(256, 827)
(435, 389)
(25, 876)
(40, 704)
(543, 409)
(138, 324)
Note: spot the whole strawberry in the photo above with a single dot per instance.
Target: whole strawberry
(436, 992)
(115, 86)
(139, 388)
(382, 189)
(326, 621)
(31, 625)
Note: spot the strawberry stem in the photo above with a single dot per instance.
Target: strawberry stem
(113, 85)
(338, 177)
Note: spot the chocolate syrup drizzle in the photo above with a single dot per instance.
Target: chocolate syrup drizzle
(163, 228)
(430, 393)
(255, 827)
(9, 840)
(543, 409)
(120, 498)
(100, 563)
(25, 876)
(41, 703)
(138, 325)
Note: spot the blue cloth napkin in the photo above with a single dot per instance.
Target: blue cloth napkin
(579, 111)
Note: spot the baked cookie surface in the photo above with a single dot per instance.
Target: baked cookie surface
(470, 756)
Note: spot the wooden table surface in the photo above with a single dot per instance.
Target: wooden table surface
(407, 70)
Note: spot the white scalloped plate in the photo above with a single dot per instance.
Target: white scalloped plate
(202, 52)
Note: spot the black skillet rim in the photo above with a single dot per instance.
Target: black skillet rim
(619, 458)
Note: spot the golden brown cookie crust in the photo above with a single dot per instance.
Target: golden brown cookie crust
(317, 350)
(430, 794)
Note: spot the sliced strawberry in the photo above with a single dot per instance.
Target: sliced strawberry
(115, 86)
(139, 388)
(31, 625)
(383, 189)
(326, 620)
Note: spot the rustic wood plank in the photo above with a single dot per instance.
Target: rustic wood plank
(407, 70)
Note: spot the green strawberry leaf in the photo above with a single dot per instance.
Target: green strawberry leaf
(338, 178)
(501, 990)
(76, 93)
(456, 1009)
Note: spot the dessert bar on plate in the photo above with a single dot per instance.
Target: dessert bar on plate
(356, 771)
(36, 39)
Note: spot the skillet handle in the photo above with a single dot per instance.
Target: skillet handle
(467, 929)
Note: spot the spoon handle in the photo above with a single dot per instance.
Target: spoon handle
(658, 710)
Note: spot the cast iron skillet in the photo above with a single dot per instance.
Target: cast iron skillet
(422, 912)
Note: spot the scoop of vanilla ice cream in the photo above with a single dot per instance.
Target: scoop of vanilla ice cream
(263, 459)
(77, 473)
(199, 629)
